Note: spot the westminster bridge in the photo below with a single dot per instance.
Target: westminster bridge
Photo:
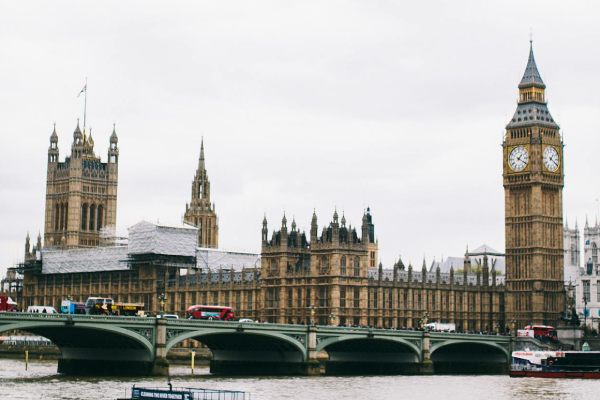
(109, 345)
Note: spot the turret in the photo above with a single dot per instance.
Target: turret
(38, 244)
(467, 262)
(88, 144)
(313, 228)
(265, 229)
(365, 228)
(485, 271)
(113, 149)
(284, 232)
(53, 149)
(27, 246)
(77, 146)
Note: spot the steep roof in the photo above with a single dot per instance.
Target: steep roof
(531, 76)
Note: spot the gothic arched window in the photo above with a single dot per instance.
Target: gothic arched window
(356, 266)
(84, 215)
(92, 216)
(100, 217)
(343, 266)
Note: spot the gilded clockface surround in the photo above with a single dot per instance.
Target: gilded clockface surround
(518, 158)
(551, 159)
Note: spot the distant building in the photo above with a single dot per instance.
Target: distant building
(495, 258)
(157, 259)
(572, 248)
(533, 180)
(200, 212)
(81, 192)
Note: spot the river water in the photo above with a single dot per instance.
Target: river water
(41, 381)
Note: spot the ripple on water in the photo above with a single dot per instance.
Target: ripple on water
(42, 382)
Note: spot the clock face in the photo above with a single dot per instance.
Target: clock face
(518, 158)
(551, 159)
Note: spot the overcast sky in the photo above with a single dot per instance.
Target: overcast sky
(400, 106)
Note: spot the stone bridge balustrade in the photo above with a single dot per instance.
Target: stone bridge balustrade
(139, 346)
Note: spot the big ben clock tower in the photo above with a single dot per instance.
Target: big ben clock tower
(533, 180)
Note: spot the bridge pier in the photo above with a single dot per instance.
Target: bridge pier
(312, 366)
(160, 364)
(426, 366)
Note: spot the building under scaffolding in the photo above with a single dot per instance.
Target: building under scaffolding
(156, 260)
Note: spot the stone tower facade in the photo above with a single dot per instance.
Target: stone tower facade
(200, 212)
(572, 245)
(321, 278)
(591, 236)
(533, 180)
(81, 192)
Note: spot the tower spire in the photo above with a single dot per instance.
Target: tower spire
(531, 76)
(201, 160)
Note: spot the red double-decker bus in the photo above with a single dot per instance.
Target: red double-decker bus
(543, 332)
(219, 313)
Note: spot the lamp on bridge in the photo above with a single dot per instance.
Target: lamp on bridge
(162, 298)
(423, 322)
(312, 314)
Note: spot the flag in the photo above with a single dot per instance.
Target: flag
(83, 90)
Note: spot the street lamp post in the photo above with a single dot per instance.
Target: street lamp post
(585, 312)
(312, 314)
(162, 298)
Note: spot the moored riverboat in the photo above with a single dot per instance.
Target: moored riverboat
(183, 393)
(556, 364)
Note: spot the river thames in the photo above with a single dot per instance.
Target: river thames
(41, 381)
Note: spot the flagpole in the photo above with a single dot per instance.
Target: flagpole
(85, 103)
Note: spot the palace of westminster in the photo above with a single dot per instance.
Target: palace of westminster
(330, 275)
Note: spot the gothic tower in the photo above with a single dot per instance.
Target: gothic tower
(200, 212)
(533, 176)
(81, 192)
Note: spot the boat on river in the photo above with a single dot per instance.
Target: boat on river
(183, 393)
(555, 364)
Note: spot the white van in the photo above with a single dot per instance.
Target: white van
(42, 309)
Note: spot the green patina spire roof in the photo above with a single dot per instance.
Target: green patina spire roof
(531, 76)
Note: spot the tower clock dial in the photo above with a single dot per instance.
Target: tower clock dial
(551, 159)
(518, 158)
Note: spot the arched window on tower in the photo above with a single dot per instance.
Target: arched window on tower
(100, 217)
(56, 216)
(343, 266)
(200, 190)
(594, 253)
(62, 217)
(84, 215)
(199, 225)
(356, 266)
(65, 216)
(92, 216)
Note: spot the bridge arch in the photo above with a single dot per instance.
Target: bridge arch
(255, 351)
(466, 356)
(55, 331)
(89, 348)
(352, 354)
(203, 333)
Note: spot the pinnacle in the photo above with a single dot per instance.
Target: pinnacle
(531, 76)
